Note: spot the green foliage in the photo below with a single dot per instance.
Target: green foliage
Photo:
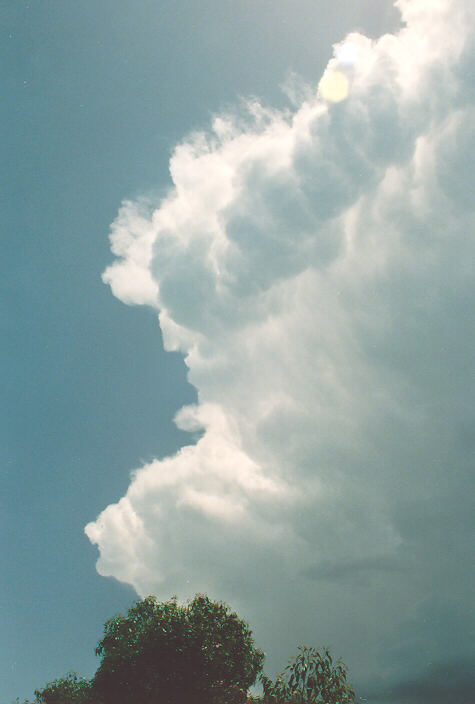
(311, 678)
(69, 689)
(197, 653)
(165, 653)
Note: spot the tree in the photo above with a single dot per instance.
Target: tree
(166, 653)
(311, 678)
(69, 689)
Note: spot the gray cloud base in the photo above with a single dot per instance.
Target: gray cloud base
(315, 267)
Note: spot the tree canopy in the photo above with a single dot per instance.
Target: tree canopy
(194, 653)
(310, 678)
(200, 652)
(69, 689)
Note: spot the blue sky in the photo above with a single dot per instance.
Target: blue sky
(95, 97)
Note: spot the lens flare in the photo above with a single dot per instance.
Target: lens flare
(333, 86)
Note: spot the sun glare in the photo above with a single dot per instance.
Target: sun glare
(333, 86)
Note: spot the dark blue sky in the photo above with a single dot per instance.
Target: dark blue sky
(94, 96)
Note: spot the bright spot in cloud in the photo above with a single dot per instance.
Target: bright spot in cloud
(333, 86)
(346, 53)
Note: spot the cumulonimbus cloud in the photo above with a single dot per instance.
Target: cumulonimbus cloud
(315, 268)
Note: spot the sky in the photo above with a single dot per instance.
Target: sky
(281, 414)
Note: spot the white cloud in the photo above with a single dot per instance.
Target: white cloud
(315, 267)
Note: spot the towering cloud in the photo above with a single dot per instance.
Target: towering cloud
(315, 267)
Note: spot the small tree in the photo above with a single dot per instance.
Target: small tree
(69, 689)
(311, 678)
(165, 653)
